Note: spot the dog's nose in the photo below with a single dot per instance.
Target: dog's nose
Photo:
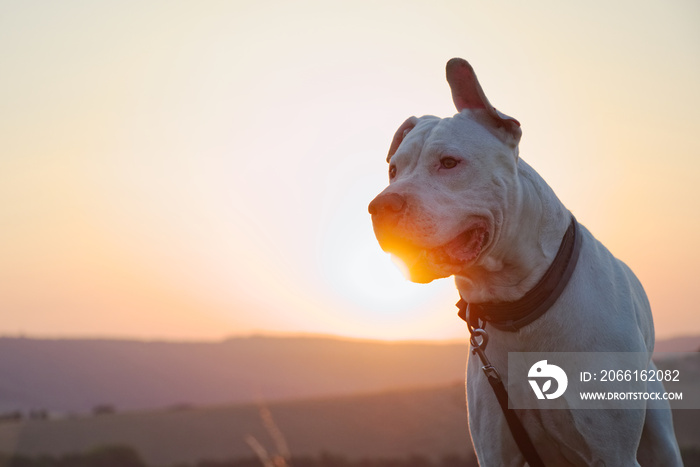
(387, 203)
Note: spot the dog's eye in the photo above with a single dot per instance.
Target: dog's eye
(392, 171)
(448, 162)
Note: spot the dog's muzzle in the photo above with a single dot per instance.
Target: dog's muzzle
(387, 209)
(399, 235)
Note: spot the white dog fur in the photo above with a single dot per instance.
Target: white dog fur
(462, 202)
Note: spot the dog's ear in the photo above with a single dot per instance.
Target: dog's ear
(467, 94)
(400, 135)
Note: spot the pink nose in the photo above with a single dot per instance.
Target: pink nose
(387, 204)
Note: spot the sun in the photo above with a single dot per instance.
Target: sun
(374, 281)
(358, 272)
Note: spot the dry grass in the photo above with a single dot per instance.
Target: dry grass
(281, 457)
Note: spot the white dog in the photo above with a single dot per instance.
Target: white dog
(461, 202)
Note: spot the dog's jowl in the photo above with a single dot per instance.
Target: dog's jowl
(462, 202)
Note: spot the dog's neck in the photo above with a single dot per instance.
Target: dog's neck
(525, 246)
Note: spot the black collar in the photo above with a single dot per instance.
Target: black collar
(511, 316)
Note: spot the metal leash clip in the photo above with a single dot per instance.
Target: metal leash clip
(478, 348)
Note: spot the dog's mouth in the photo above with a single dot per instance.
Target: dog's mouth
(463, 249)
(426, 264)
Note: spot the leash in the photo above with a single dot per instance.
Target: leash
(512, 316)
(520, 435)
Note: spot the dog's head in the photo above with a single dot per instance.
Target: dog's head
(449, 184)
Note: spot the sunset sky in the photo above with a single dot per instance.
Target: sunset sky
(202, 169)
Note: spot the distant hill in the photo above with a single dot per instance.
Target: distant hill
(678, 344)
(64, 376)
(77, 375)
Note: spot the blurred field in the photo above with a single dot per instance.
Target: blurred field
(426, 422)
(429, 422)
(332, 396)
